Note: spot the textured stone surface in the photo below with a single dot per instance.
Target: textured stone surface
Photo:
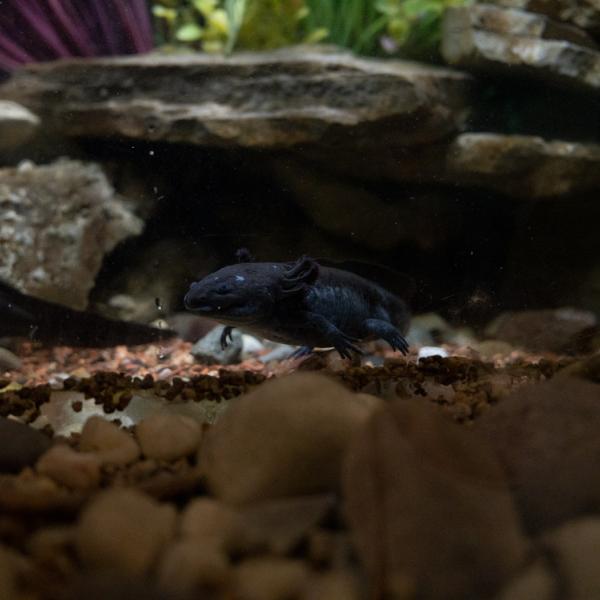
(429, 509)
(17, 125)
(284, 438)
(256, 100)
(58, 222)
(521, 166)
(486, 38)
(546, 436)
(583, 13)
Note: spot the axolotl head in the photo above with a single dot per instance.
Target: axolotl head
(242, 293)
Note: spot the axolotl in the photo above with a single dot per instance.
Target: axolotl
(302, 303)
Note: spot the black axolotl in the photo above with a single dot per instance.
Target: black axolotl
(302, 303)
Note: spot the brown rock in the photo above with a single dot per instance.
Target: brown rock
(280, 525)
(168, 436)
(123, 530)
(21, 445)
(70, 468)
(108, 442)
(428, 507)
(553, 330)
(190, 566)
(575, 548)
(284, 438)
(536, 581)
(270, 579)
(208, 521)
(546, 437)
(335, 585)
(283, 98)
(484, 38)
(523, 166)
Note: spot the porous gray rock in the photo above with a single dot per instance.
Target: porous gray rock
(17, 125)
(488, 38)
(58, 223)
(546, 437)
(270, 99)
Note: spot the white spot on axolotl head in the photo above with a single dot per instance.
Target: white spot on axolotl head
(240, 278)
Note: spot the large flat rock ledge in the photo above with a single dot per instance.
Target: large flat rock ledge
(489, 39)
(278, 99)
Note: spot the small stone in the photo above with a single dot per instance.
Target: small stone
(9, 361)
(168, 436)
(123, 530)
(191, 565)
(285, 438)
(575, 546)
(270, 579)
(208, 349)
(70, 468)
(21, 445)
(108, 442)
(207, 520)
(429, 351)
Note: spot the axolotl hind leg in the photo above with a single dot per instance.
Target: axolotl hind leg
(386, 331)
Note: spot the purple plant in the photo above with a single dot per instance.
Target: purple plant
(41, 30)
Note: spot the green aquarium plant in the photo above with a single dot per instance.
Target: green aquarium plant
(414, 27)
(369, 27)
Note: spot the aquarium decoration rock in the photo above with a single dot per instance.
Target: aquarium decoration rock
(583, 13)
(487, 39)
(59, 221)
(268, 100)
(17, 125)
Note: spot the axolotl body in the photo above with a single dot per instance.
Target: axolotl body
(302, 303)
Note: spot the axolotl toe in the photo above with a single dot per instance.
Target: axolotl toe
(302, 303)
